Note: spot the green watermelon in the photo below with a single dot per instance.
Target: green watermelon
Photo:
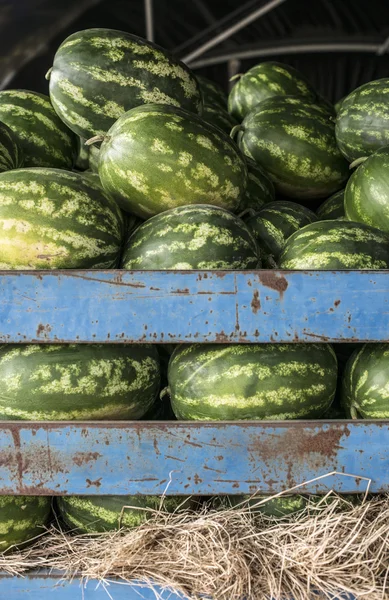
(82, 160)
(281, 506)
(158, 157)
(191, 237)
(77, 382)
(41, 135)
(219, 117)
(99, 74)
(274, 224)
(332, 208)
(264, 81)
(11, 155)
(366, 199)
(362, 124)
(95, 514)
(252, 381)
(94, 153)
(365, 386)
(21, 519)
(259, 190)
(295, 143)
(212, 93)
(56, 219)
(331, 245)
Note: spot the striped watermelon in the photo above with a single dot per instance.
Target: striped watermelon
(158, 157)
(11, 155)
(362, 123)
(99, 74)
(212, 93)
(44, 140)
(332, 208)
(256, 381)
(336, 245)
(295, 143)
(365, 386)
(82, 160)
(94, 514)
(274, 224)
(219, 117)
(281, 506)
(22, 518)
(77, 382)
(264, 81)
(259, 190)
(191, 237)
(366, 199)
(55, 219)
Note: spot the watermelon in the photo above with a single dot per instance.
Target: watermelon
(11, 155)
(95, 514)
(22, 519)
(362, 123)
(332, 208)
(338, 104)
(56, 219)
(274, 224)
(366, 199)
(158, 157)
(77, 382)
(281, 506)
(335, 245)
(99, 74)
(219, 117)
(295, 143)
(259, 190)
(191, 237)
(94, 153)
(264, 81)
(212, 93)
(82, 160)
(365, 385)
(41, 135)
(252, 381)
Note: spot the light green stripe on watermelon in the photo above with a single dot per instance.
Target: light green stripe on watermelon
(366, 198)
(56, 219)
(22, 518)
(332, 208)
(159, 157)
(365, 385)
(11, 155)
(43, 138)
(268, 381)
(192, 237)
(77, 382)
(336, 245)
(99, 74)
(212, 93)
(362, 124)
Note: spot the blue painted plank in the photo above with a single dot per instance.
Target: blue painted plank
(191, 458)
(163, 306)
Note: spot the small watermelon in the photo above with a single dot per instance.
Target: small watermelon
(191, 237)
(335, 245)
(158, 157)
(41, 135)
(212, 93)
(252, 381)
(362, 123)
(264, 81)
(22, 518)
(219, 117)
(332, 208)
(99, 74)
(11, 155)
(295, 143)
(365, 387)
(91, 382)
(259, 190)
(274, 224)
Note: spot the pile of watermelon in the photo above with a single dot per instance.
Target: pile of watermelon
(132, 161)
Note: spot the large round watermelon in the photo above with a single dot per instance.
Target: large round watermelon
(274, 224)
(332, 208)
(295, 143)
(11, 155)
(99, 74)
(365, 386)
(21, 519)
(264, 81)
(77, 382)
(336, 245)
(192, 237)
(259, 190)
(212, 93)
(95, 514)
(366, 199)
(56, 219)
(159, 157)
(257, 381)
(43, 138)
(362, 123)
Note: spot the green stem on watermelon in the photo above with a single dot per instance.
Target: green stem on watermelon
(47, 76)
(247, 211)
(236, 76)
(354, 412)
(357, 162)
(235, 130)
(95, 139)
(164, 392)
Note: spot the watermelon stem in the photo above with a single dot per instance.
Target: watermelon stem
(357, 162)
(47, 76)
(354, 412)
(164, 392)
(235, 130)
(247, 211)
(236, 76)
(95, 139)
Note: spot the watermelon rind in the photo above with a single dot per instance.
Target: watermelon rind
(212, 93)
(332, 208)
(22, 518)
(11, 155)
